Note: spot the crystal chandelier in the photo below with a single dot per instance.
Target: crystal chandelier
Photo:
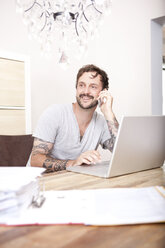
(71, 22)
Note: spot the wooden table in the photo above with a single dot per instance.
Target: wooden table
(73, 236)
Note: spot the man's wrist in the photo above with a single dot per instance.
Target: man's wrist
(109, 116)
(70, 163)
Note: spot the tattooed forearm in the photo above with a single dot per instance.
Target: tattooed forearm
(113, 128)
(109, 144)
(52, 164)
(41, 154)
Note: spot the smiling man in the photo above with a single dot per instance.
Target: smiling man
(69, 134)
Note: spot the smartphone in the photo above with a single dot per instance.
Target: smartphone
(101, 101)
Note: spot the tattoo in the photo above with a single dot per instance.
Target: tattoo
(113, 128)
(44, 148)
(40, 146)
(52, 164)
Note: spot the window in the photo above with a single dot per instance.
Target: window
(14, 95)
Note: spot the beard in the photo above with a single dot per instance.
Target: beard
(91, 105)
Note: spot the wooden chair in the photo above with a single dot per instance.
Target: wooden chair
(15, 149)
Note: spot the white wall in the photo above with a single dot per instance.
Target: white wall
(123, 50)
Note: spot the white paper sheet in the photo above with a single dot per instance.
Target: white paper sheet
(116, 206)
(12, 178)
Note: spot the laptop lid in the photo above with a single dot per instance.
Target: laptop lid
(140, 145)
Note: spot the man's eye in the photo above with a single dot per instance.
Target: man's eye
(94, 86)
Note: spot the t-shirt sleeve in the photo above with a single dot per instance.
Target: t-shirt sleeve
(48, 124)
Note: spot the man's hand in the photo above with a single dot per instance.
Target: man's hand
(106, 108)
(106, 103)
(88, 157)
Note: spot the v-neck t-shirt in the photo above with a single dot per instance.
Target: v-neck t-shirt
(59, 126)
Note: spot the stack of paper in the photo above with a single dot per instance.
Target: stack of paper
(19, 187)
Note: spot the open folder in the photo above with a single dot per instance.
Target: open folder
(115, 206)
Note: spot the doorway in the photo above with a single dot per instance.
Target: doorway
(157, 77)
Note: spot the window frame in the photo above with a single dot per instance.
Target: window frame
(26, 60)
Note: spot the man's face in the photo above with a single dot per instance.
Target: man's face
(88, 89)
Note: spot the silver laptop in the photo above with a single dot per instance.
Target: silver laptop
(140, 145)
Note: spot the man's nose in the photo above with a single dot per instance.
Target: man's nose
(86, 90)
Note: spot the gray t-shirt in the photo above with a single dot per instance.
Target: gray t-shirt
(58, 125)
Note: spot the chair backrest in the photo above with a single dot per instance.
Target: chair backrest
(15, 149)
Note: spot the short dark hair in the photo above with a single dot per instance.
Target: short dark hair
(93, 68)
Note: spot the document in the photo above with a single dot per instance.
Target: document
(114, 206)
(19, 187)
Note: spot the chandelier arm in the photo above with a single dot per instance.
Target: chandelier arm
(46, 12)
(41, 14)
(49, 4)
(94, 7)
(77, 14)
(97, 9)
(26, 10)
(83, 12)
(85, 17)
(84, 29)
(50, 24)
(44, 23)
